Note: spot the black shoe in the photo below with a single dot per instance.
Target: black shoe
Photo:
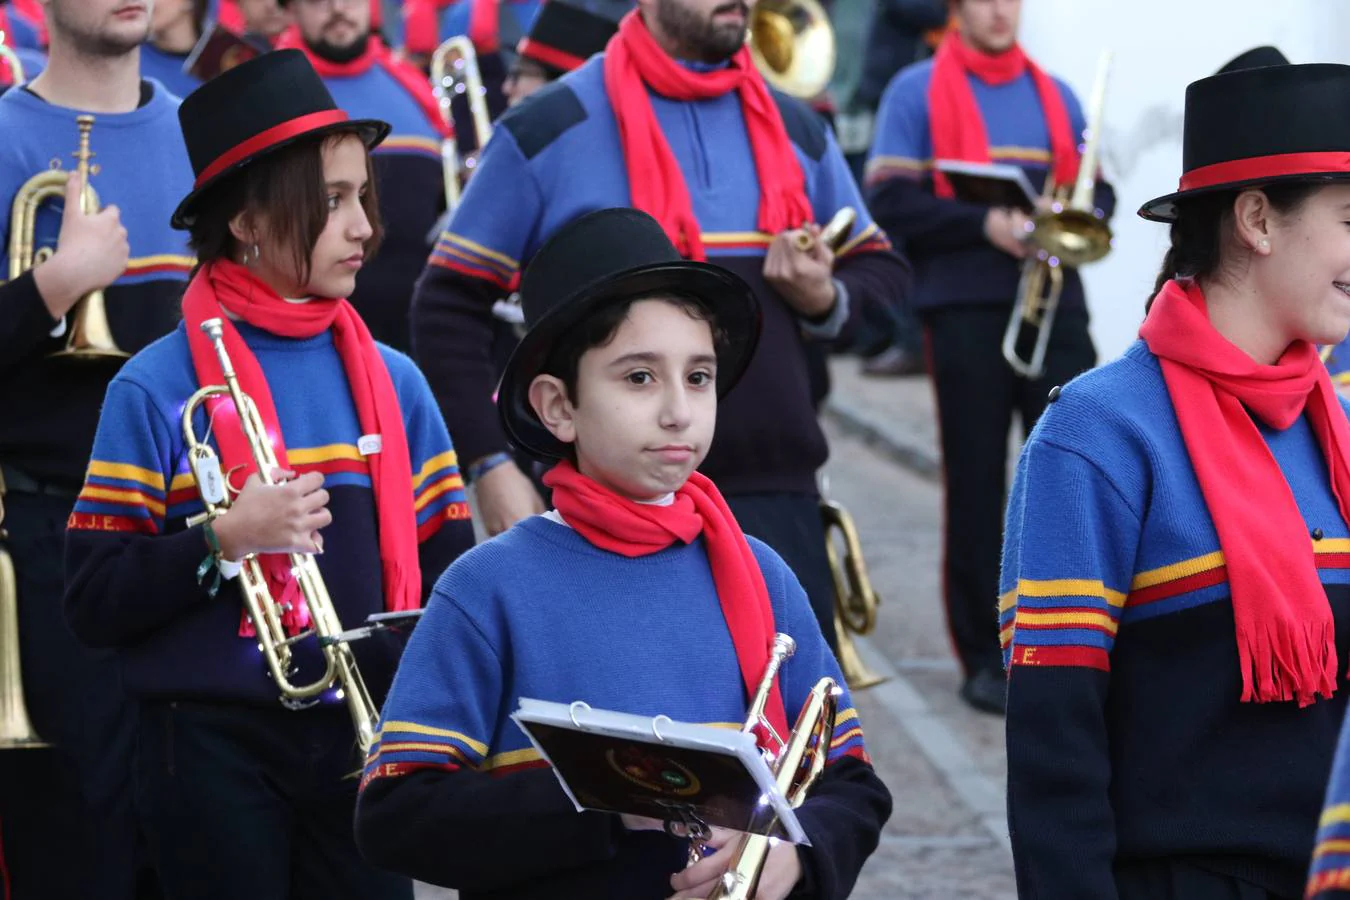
(987, 691)
(894, 362)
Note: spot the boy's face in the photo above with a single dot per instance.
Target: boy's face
(646, 402)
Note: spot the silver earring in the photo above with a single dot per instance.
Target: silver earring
(257, 255)
(1265, 243)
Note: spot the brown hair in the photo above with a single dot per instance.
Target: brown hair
(1203, 224)
(286, 190)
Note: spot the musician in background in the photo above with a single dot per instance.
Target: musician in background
(725, 165)
(616, 386)
(260, 20)
(23, 24)
(175, 27)
(564, 35)
(979, 99)
(66, 813)
(367, 82)
(242, 796)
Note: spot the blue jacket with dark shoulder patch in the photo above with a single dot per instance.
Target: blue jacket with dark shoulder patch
(558, 156)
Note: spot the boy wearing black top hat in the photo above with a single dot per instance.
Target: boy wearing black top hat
(639, 593)
(243, 792)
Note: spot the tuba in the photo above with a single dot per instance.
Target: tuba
(340, 671)
(793, 46)
(90, 336)
(11, 61)
(1072, 232)
(454, 70)
(798, 763)
(16, 731)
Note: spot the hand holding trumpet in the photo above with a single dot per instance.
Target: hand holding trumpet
(800, 264)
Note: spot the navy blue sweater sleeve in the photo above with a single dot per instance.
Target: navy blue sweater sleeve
(1069, 551)
(26, 323)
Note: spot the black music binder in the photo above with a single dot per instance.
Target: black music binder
(992, 184)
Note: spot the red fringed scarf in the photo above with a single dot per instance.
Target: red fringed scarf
(376, 53)
(954, 118)
(225, 287)
(634, 62)
(1285, 632)
(620, 525)
(422, 25)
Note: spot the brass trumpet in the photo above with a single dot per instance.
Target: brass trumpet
(90, 336)
(454, 70)
(12, 63)
(833, 235)
(796, 767)
(341, 670)
(1072, 233)
(855, 600)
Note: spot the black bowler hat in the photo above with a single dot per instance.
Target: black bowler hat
(598, 259)
(1261, 126)
(253, 109)
(1255, 59)
(564, 36)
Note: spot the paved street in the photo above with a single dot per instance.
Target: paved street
(943, 762)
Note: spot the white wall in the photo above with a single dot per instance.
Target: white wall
(1159, 47)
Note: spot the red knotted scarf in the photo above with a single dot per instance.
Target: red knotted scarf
(422, 25)
(634, 62)
(376, 53)
(622, 526)
(222, 287)
(954, 118)
(1285, 632)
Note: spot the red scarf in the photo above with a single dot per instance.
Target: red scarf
(1285, 633)
(954, 118)
(634, 62)
(223, 286)
(32, 11)
(422, 25)
(376, 53)
(622, 526)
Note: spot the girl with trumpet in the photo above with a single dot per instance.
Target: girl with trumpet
(1176, 606)
(242, 796)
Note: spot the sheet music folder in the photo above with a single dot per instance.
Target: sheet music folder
(993, 184)
(674, 771)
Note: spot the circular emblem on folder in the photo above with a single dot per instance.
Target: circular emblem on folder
(653, 771)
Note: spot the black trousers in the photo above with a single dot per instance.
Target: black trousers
(66, 814)
(977, 395)
(1179, 879)
(791, 524)
(240, 802)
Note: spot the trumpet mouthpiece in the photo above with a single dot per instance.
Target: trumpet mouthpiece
(213, 328)
(784, 645)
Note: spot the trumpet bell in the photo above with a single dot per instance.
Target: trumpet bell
(16, 731)
(793, 45)
(90, 335)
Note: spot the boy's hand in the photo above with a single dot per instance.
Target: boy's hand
(782, 870)
(275, 518)
(804, 278)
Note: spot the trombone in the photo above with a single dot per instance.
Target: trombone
(1072, 232)
(90, 335)
(855, 600)
(12, 63)
(454, 71)
(340, 671)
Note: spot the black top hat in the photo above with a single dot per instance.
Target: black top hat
(1255, 59)
(253, 109)
(564, 36)
(1260, 126)
(600, 258)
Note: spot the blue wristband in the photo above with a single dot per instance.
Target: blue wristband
(481, 467)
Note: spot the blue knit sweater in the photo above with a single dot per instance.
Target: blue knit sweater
(1126, 737)
(540, 612)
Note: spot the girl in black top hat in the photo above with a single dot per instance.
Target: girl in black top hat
(1176, 570)
(244, 793)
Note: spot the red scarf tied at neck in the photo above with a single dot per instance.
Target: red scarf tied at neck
(422, 25)
(634, 62)
(376, 53)
(1285, 632)
(954, 118)
(631, 529)
(223, 287)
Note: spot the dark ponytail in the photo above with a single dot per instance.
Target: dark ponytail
(1202, 227)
